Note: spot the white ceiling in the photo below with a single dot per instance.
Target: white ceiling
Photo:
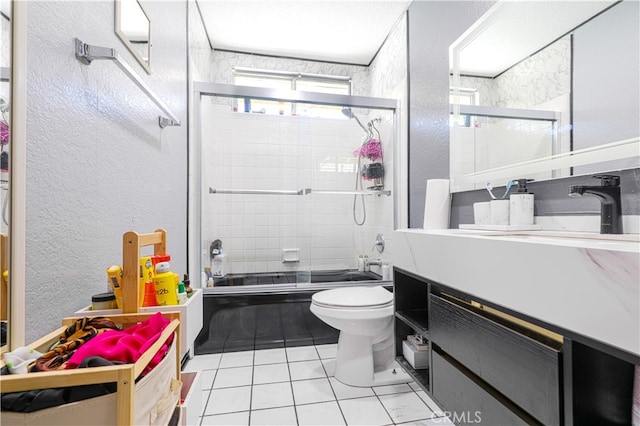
(513, 30)
(347, 31)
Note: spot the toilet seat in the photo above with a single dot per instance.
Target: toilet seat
(354, 298)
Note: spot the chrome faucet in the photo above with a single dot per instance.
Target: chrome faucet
(610, 206)
(373, 262)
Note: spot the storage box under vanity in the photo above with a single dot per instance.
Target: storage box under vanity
(416, 352)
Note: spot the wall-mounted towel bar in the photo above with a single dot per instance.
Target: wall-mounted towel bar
(87, 53)
(303, 191)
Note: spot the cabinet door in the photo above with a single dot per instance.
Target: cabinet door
(468, 403)
(524, 370)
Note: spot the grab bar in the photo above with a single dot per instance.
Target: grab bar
(304, 191)
(87, 53)
(255, 191)
(377, 192)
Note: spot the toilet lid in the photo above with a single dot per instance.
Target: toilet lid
(354, 297)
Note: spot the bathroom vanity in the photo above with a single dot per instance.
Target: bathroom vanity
(530, 328)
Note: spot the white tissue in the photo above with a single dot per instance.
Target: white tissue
(437, 204)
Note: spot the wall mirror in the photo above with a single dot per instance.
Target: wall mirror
(545, 90)
(5, 147)
(133, 27)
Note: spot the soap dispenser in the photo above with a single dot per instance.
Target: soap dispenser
(218, 260)
(521, 205)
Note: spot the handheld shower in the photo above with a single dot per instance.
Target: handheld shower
(349, 113)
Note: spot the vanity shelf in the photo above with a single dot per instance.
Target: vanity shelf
(416, 319)
(411, 318)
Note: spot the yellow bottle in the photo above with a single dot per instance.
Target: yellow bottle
(114, 272)
(165, 284)
(146, 275)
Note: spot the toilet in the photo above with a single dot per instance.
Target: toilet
(366, 350)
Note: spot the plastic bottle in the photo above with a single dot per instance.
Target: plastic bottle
(210, 282)
(203, 279)
(149, 294)
(182, 294)
(385, 272)
(187, 285)
(114, 273)
(165, 284)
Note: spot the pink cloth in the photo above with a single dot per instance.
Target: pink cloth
(127, 345)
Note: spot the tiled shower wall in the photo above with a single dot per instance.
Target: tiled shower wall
(255, 151)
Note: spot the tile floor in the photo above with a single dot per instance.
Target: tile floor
(295, 386)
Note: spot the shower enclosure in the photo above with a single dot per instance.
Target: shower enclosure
(292, 201)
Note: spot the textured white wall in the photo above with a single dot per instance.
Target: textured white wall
(98, 165)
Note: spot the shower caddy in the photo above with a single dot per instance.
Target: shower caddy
(151, 400)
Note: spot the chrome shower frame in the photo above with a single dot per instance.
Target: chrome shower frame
(205, 89)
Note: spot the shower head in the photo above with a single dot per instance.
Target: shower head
(349, 113)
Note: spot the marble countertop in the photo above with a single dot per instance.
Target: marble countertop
(585, 283)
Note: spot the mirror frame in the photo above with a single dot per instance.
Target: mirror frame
(614, 150)
(125, 40)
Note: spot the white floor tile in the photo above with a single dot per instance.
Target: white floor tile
(269, 356)
(203, 362)
(415, 386)
(236, 359)
(270, 373)
(205, 399)
(327, 351)
(271, 396)
(389, 389)
(302, 353)
(303, 370)
(406, 407)
(232, 377)
(233, 419)
(311, 391)
(284, 416)
(430, 422)
(229, 400)
(329, 366)
(430, 403)
(364, 411)
(343, 391)
(322, 414)
(207, 377)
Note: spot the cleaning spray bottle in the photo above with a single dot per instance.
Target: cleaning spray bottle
(521, 205)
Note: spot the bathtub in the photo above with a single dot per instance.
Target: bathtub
(262, 282)
(271, 310)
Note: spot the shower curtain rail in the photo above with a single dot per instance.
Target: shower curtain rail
(304, 191)
(87, 53)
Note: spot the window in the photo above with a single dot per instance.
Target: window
(291, 81)
(463, 96)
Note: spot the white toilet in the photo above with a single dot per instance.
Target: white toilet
(364, 316)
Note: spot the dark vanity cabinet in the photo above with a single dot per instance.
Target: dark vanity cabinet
(491, 366)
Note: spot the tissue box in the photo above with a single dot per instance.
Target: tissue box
(417, 359)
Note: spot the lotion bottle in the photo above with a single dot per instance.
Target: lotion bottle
(521, 205)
